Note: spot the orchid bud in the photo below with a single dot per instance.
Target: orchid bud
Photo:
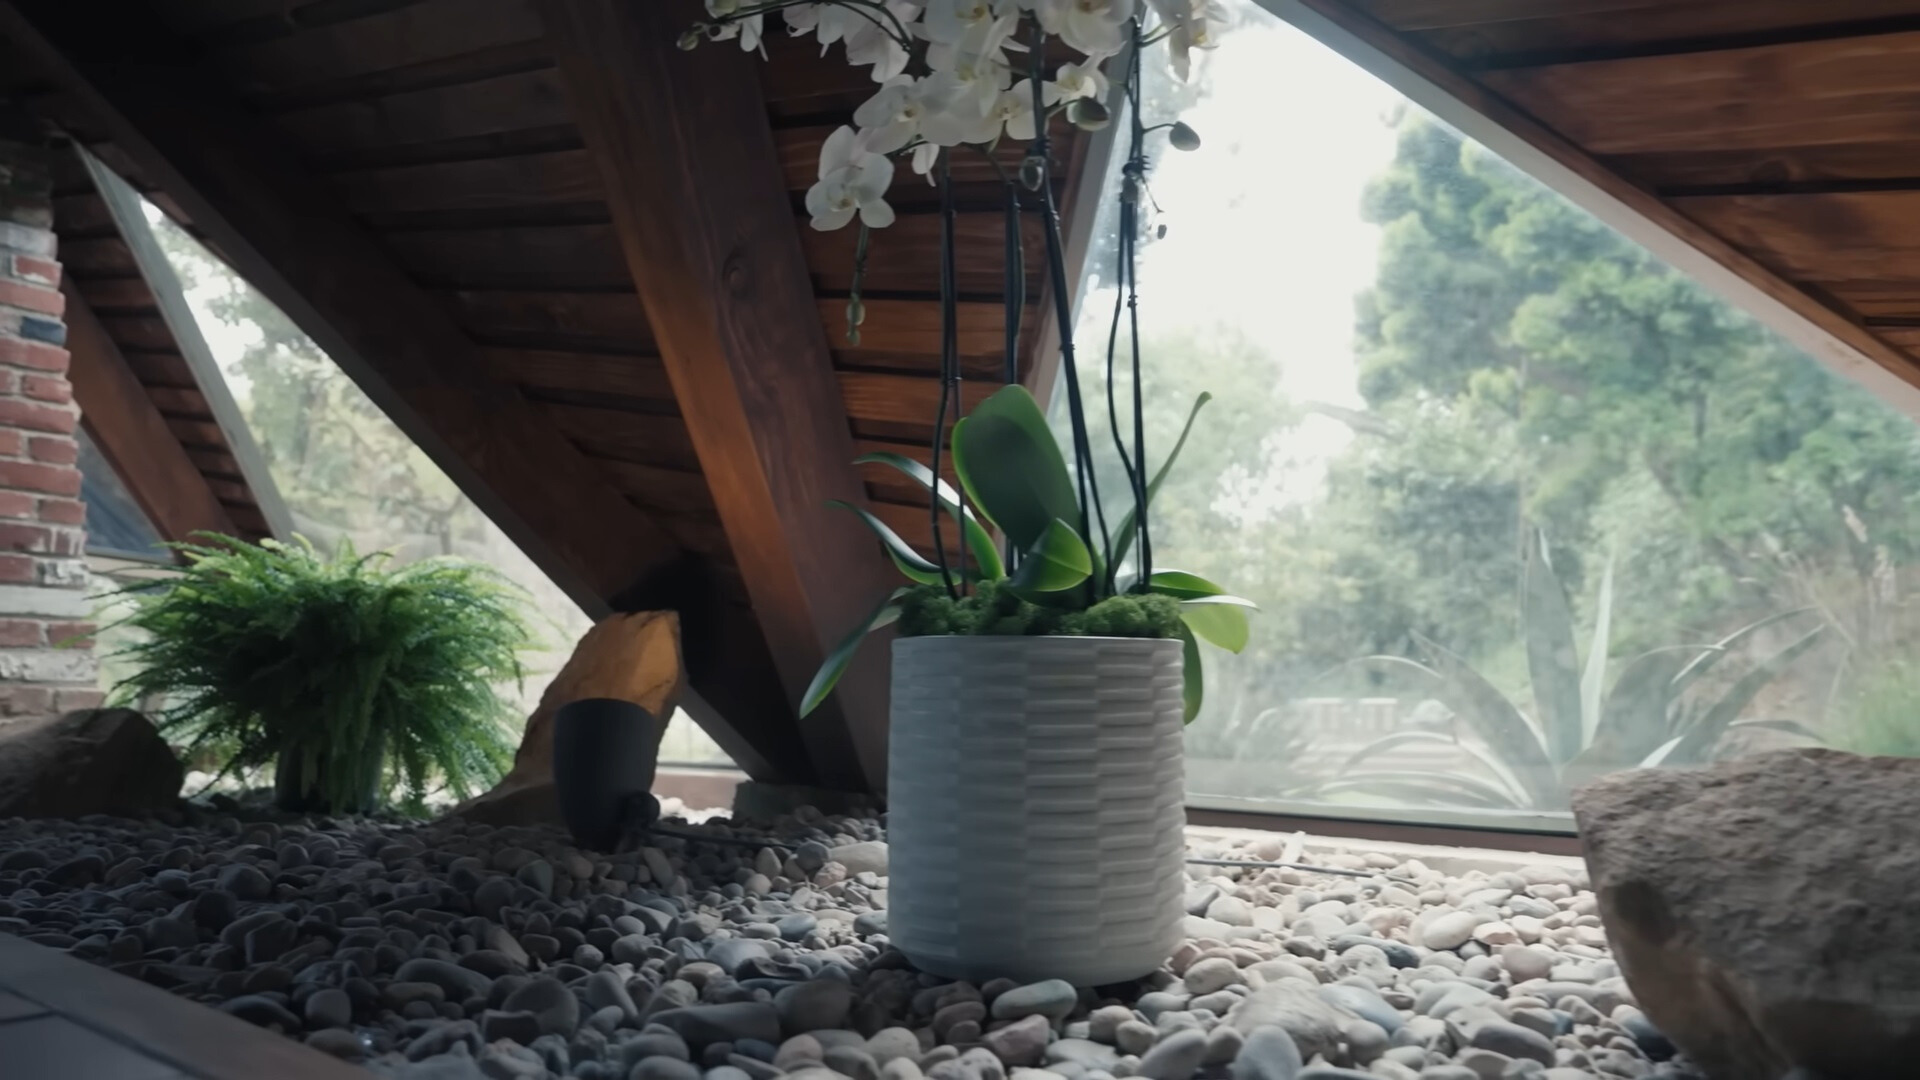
(690, 40)
(856, 312)
(1033, 171)
(1088, 114)
(1183, 137)
(1160, 233)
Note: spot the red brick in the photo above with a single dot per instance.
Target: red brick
(37, 355)
(52, 449)
(33, 476)
(15, 569)
(37, 417)
(20, 700)
(67, 701)
(53, 388)
(21, 633)
(9, 381)
(60, 511)
(32, 297)
(41, 271)
(18, 504)
(12, 443)
(71, 635)
(15, 536)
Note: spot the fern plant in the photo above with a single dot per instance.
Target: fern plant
(353, 677)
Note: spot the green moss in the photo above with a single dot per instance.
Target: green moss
(995, 609)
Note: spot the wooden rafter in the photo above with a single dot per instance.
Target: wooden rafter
(283, 231)
(686, 152)
(133, 436)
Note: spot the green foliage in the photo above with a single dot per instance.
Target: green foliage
(1010, 466)
(1578, 729)
(1879, 717)
(355, 677)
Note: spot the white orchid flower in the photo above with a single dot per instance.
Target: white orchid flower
(1013, 109)
(876, 48)
(1095, 27)
(925, 157)
(891, 118)
(988, 41)
(948, 22)
(748, 30)
(853, 180)
(1189, 26)
(1081, 80)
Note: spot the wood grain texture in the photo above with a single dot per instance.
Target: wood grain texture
(1682, 26)
(1427, 14)
(689, 162)
(577, 257)
(591, 321)
(880, 396)
(1775, 168)
(1838, 238)
(1814, 93)
(414, 34)
(504, 103)
(132, 435)
(905, 256)
(481, 184)
(286, 233)
(586, 373)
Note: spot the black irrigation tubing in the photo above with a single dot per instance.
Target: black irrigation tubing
(1311, 868)
(1137, 172)
(949, 365)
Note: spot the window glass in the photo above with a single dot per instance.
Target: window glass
(1520, 504)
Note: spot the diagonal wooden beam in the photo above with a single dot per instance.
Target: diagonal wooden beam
(132, 435)
(683, 143)
(282, 230)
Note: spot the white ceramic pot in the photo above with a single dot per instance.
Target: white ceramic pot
(1036, 807)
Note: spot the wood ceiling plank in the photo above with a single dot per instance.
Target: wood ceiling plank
(876, 396)
(584, 321)
(905, 256)
(139, 331)
(1688, 26)
(116, 295)
(521, 101)
(1813, 93)
(135, 439)
(1784, 168)
(160, 369)
(1846, 237)
(558, 257)
(547, 369)
(670, 490)
(1428, 14)
(619, 435)
(562, 176)
(105, 256)
(690, 165)
(415, 34)
(913, 326)
(285, 233)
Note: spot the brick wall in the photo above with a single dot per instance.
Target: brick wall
(46, 659)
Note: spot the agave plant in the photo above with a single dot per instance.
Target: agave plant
(1060, 573)
(1580, 726)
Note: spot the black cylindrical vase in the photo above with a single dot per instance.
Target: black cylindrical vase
(604, 752)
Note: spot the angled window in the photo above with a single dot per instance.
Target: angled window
(1520, 503)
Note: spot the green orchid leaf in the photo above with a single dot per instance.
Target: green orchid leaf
(1220, 620)
(1123, 536)
(1010, 465)
(910, 562)
(979, 541)
(1193, 688)
(1181, 585)
(1553, 664)
(1058, 561)
(836, 662)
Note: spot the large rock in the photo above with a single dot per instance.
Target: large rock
(626, 657)
(1763, 910)
(94, 761)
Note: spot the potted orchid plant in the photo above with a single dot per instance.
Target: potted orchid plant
(1046, 664)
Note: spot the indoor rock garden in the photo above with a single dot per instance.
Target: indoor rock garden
(1046, 918)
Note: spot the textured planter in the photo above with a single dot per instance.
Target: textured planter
(1036, 802)
(604, 752)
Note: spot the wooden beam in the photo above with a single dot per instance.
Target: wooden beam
(183, 333)
(132, 435)
(702, 212)
(1501, 125)
(282, 230)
